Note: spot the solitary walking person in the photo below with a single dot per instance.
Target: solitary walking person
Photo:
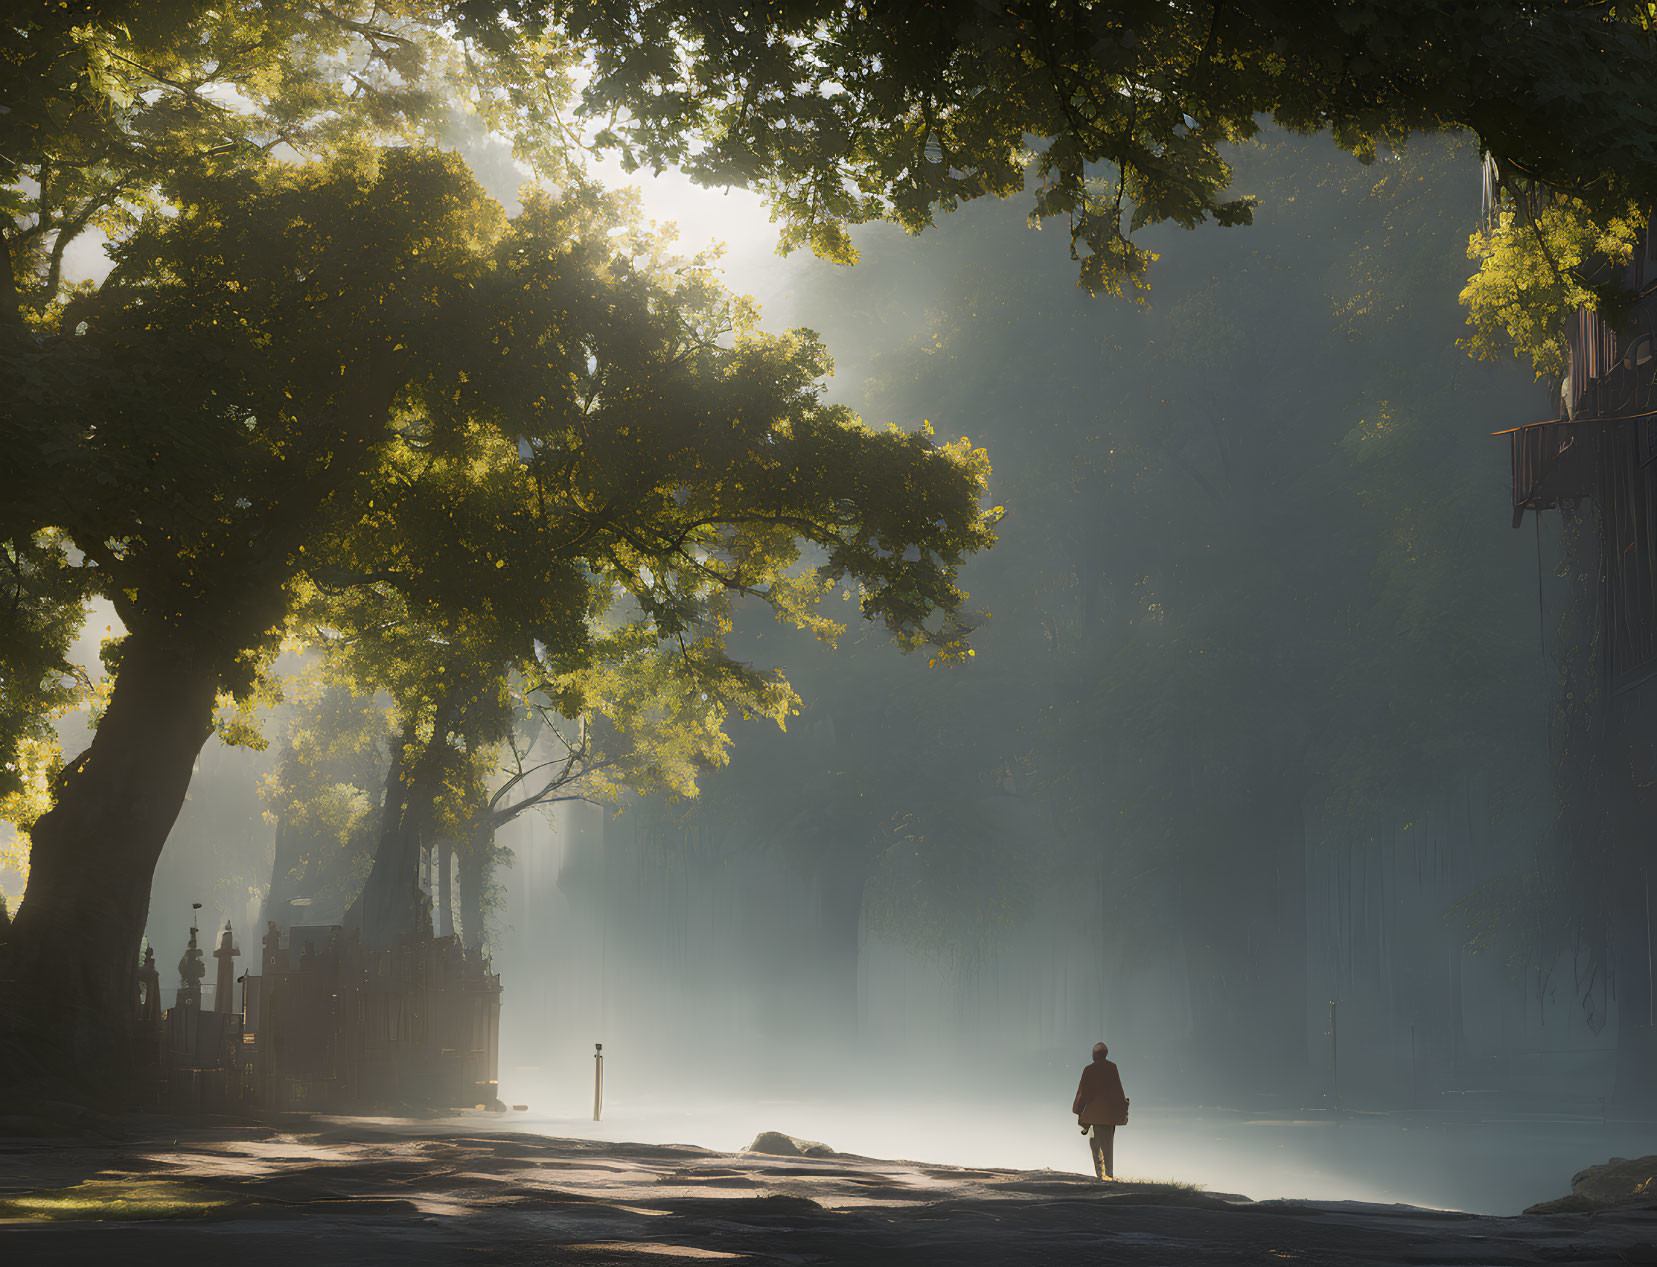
(1100, 1108)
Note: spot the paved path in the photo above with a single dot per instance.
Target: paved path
(334, 1191)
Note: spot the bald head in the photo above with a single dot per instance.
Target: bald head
(1100, 1051)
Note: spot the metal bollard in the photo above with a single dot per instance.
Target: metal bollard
(598, 1080)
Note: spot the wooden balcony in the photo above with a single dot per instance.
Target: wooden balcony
(1602, 449)
(1553, 462)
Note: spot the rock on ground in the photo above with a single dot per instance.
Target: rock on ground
(1618, 1182)
(326, 1191)
(779, 1145)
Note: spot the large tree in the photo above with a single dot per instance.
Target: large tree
(326, 376)
(111, 110)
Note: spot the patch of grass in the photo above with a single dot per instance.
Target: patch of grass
(114, 1199)
(1173, 1185)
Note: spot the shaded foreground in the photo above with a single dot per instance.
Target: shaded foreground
(335, 1191)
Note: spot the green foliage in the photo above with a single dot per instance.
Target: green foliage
(324, 794)
(42, 602)
(842, 114)
(499, 466)
(668, 461)
(355, 353)
(109, 102)
(1535, 270)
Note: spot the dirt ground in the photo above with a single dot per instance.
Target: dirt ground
(327, 1191)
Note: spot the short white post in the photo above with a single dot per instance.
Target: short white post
(598, 1080)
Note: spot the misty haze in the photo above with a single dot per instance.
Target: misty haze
(639, 632)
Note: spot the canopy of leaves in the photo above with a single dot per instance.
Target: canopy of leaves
(108, 101)
(844, 113)
(466, 447)
(42, 600)
(324, 793)
(489, 461)
(1538, 264)
(355, 355)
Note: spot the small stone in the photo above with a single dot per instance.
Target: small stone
(776, 1144)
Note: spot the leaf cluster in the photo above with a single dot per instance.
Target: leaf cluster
(845, 113)
(1536, 268)
(108, 101)
(42, 598)
(325, 792)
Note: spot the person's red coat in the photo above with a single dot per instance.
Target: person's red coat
(1099, 1097)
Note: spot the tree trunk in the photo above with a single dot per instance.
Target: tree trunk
(68, 966)
(445, 908)
(391, 904)
(474, 877)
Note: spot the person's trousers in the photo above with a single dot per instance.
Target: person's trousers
(1102, 1141)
